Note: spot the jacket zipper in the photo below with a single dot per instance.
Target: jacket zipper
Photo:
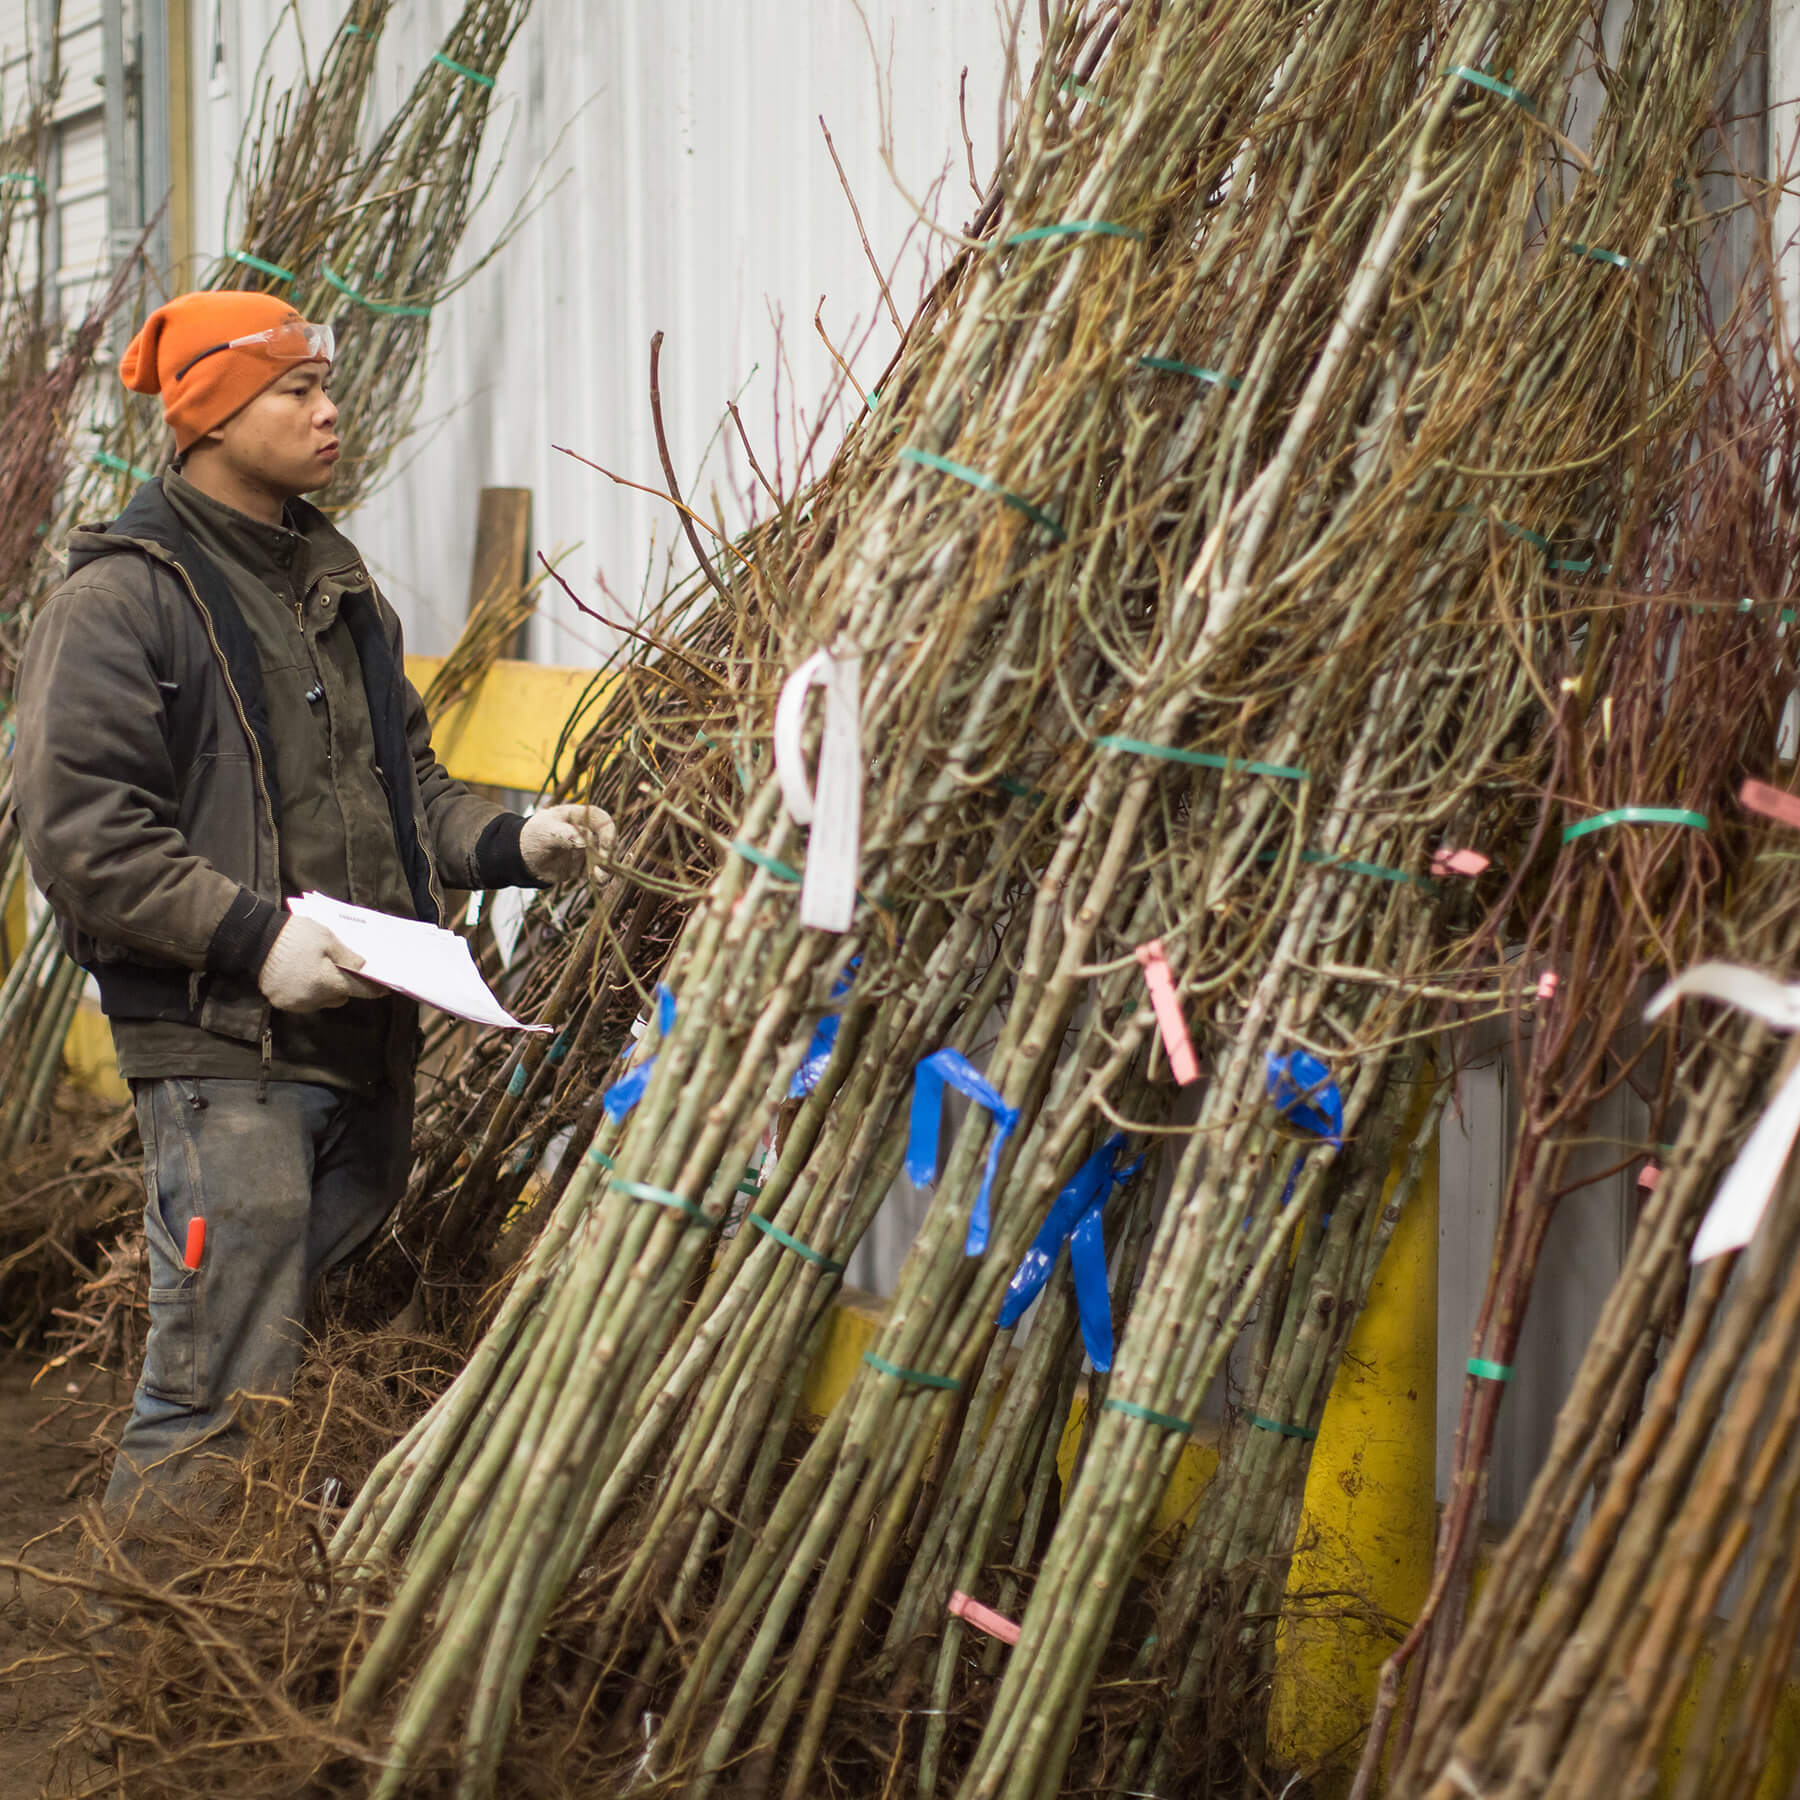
(431, 880)
(262, 785)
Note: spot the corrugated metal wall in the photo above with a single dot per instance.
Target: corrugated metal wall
(696, 196)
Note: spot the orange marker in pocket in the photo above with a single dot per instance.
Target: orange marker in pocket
(196, 1243)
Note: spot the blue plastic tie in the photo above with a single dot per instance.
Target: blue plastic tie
(628, 1090)
(929, 1079)
(1075, 1219)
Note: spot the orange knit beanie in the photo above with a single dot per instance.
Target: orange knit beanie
(199, 391)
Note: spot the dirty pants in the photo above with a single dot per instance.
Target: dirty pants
(289, 1185)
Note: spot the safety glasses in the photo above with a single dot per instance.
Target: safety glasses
(292, 341)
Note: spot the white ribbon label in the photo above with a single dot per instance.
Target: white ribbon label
(1744, 1194)
(833, 807)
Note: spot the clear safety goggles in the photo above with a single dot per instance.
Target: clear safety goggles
(293, 341)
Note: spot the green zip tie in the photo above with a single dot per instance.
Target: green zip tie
(22, 178)
(1636, 815)
(642, 1190)
(1169, 366)
(380, 306)
(261, 267)
(915, 1375)
(1074, 228)
(601, 1159)
(1490, 1371)
(1595, 254)
(1558, 565)
(1020, 791)
(1483, 80)
(1380, 871)
(805, 1251)
(1201, 758)
(1132, 1410)
(355, 31)
(1351, 866)
(1082, 91)
(106, 460)
(762, 860)
(929, 459)
(1303, 1433)
(462, 69)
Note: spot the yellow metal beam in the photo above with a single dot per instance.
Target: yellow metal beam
(506, 735)
(1370, 1514)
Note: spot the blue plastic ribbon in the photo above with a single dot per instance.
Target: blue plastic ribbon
(824, 1040)
(1075, 1219)
(1302, 1091)
(628, 1090)
(929, 1078)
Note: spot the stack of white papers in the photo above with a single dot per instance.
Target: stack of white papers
(412, 958)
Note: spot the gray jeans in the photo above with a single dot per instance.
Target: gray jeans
(288, 1185)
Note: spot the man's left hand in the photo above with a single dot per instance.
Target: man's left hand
(557, 841)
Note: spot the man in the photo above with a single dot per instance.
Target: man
(213, 714)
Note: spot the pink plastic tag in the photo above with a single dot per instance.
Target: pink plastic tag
(984, 1618)
(1648, 1176)
(1771, 802)
(1459, 862)
(1167, 1004)
(1546, 988)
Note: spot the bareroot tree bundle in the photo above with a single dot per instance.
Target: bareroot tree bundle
(359, 234)
(1239, 381)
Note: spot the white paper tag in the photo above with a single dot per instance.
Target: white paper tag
(1744, 1194)
(507, 916)
(1775, 1002)
(1743, 1197)
(833, 807)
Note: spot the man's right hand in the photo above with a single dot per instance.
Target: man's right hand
(308, 969)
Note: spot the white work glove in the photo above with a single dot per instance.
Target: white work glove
(555, 842)
(307, 970)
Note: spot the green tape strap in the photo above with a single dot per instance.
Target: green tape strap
(601, 1160)
(929, 459)
(1484, 1370)
(357, 31)
(22, 178)
(398, 309)
(1637, 815)
(1482, 79)
(917, 1376)
(1074, 228)
(762, 860)
(1132, 1410)
(1203, 759)
(657, 1196)
(1082, 91)
(462, 69)
(805, 1252)
(1169, 366)
(260, 266)
(1594, 253)
(104, 459)
(1304, 1433)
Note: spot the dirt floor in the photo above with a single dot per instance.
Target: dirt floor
(36, 1472)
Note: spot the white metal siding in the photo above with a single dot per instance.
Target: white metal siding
(699, 198)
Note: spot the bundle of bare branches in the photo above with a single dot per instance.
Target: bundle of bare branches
(1256, 577)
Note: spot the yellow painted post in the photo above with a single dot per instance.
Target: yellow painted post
(1370, 1511)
